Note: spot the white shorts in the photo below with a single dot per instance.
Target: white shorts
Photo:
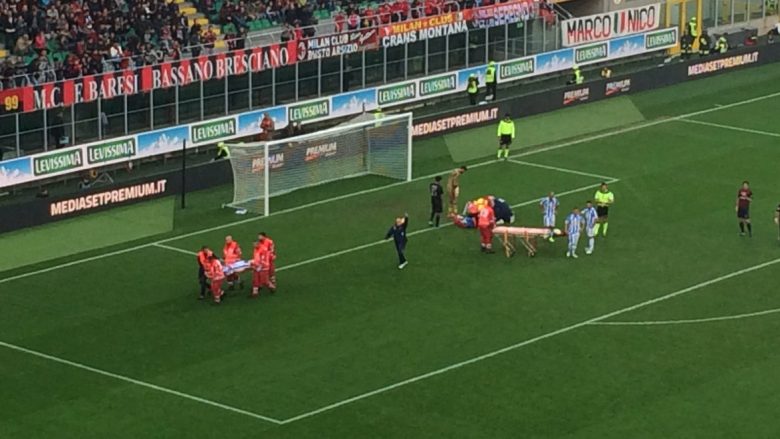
(549, 221)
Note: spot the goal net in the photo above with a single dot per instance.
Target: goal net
(262, 170)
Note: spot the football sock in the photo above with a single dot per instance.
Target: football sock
(750, 229)
(742, 227)
(606, 225)
(498, 154)
(438, 217)
(596, 228)
(506, 153)
(591, 242)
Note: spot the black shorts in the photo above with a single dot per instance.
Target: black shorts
(602, 211)
(436, 205)
(743, 213)
(506, 140)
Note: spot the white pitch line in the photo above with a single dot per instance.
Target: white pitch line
(530, 341)
(689, 321)
(342, 197)
(138, 382)
(644, 125)
(416, 232)
(731, 127)
(176, 249)
(564, 170)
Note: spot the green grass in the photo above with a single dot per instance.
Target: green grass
(91, 232)
(347, 324)
(547, 128)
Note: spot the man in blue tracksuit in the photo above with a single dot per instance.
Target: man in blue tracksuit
(398, 233)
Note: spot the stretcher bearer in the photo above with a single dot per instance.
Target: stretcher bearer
(261, 274)
(398, 233)
(216, 274)
(265, 240)
(231, 253)
(574, 224)
(203, 266)
(591, 216)
(549, 207)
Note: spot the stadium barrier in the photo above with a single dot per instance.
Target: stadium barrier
(42, 211)
(119, 150)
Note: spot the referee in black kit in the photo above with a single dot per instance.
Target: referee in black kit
(398, 233)
(436, 204)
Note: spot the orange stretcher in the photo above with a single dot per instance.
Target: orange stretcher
(528, 235)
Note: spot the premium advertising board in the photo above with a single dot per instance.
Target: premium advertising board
(40, 211)
(167, 140)
(607, 25)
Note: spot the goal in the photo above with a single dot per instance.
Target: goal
(262, 170)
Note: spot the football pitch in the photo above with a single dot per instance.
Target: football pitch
(666, 330)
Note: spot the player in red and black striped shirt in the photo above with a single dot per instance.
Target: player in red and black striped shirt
(744, 197)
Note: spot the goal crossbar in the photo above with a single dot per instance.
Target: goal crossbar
(261, 170)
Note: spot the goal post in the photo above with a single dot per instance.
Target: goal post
(262, 170)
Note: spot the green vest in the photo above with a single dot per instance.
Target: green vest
(692, 29)
(578, 78)
(722, 45)
(472, 88)
(490, 74)
(223, 150)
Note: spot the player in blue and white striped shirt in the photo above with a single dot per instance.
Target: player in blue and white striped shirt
(549, 207)
(574, 224)
(590, 215)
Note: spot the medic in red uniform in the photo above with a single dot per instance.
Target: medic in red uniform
(266, 241)
(486, 221)
(232, 254)
(261, 264)
(216, 274)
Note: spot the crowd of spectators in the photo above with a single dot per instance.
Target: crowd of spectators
(48, 40)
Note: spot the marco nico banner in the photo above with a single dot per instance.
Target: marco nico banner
(163, 141)
(607, 25)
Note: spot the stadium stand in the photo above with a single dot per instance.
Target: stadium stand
(55, 39)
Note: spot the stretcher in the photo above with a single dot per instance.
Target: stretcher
(236, 267)
(527, 237)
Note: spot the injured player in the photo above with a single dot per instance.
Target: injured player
(527, 236)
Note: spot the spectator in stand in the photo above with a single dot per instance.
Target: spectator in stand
(353, 20)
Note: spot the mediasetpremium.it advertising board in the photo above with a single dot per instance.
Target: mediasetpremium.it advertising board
(608, 25)
(166, 140)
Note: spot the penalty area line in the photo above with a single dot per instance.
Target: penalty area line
(530, 341)
(140, 383)
(688, 321)
(563, 170)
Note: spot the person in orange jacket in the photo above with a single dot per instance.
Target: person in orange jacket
(261, 264)
(231, 253)
(486, 221)
(203, 264)
(216, 273)
(265, 240)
